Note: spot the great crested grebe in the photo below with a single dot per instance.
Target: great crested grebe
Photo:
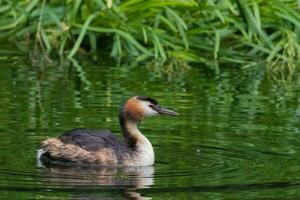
(102, 147)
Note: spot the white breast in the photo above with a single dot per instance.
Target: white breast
(143, 155)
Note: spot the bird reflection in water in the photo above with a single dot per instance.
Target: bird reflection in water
(107, 180)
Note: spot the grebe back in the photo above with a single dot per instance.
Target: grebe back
(102, 147)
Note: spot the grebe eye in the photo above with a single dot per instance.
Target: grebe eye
(154, 107)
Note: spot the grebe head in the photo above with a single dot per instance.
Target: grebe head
(138, 107)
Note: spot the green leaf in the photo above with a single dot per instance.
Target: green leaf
(217, 44)
(81, 36)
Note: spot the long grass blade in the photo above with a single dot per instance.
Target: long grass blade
(81, 35)
(125, 35)
(253, 24)
(217, 44)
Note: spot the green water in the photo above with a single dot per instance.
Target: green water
(237, 136)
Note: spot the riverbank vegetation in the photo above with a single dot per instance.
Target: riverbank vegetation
(175, 33)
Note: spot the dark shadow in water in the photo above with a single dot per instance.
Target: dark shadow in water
(111, 181)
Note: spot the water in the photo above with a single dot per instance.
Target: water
(237, 136)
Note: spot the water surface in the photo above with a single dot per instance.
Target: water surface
(237, 136)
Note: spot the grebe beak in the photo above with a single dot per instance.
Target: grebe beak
(165, 111)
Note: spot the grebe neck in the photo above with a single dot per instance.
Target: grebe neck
(131, 132)
(142, 150)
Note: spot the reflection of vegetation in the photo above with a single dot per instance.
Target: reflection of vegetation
(173, 32)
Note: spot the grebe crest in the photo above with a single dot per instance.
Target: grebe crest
(84, 146)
